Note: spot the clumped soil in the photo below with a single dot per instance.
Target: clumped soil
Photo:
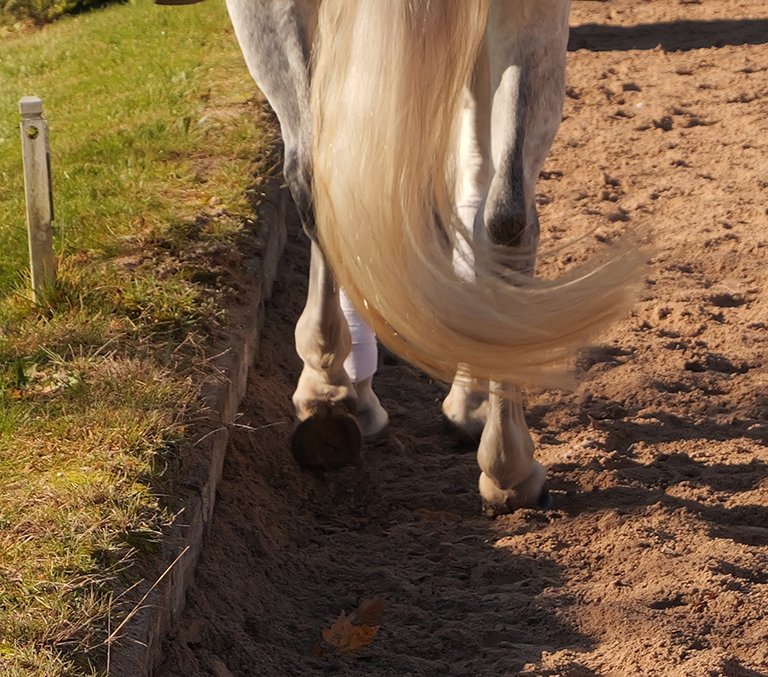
(653, 559)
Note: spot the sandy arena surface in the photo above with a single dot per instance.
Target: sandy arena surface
(654, 557)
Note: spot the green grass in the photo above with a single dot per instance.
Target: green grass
(156, 136)
(125, 91)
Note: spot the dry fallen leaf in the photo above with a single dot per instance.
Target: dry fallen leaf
(347, 637)
(354, 632)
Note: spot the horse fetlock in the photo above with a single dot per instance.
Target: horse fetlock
(320, 394)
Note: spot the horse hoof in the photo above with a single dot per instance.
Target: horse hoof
(493, 510)
(326, 442)
(371, 416)
(532, 493)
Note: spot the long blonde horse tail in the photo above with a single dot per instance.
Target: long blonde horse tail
(387, 92)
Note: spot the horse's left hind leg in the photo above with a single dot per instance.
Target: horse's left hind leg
(325, 401)
(333, 411)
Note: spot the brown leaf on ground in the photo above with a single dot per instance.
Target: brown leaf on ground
(353, 632)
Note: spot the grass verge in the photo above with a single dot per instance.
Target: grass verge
(157, 138)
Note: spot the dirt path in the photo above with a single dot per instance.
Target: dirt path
(654, 559)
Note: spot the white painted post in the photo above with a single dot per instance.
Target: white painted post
(39, 194)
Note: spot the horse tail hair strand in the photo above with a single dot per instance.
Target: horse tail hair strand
(388, 80)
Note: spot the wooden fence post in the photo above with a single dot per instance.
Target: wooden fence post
(39, 194)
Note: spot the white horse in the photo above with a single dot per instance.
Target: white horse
(414, 133)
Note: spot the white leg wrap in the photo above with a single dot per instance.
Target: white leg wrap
(361, 362)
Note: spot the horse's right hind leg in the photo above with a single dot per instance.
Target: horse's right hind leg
(511, 114)
(511, 477)
(527, 46)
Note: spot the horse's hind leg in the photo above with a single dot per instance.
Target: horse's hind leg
(325, 399)
(510, 476)
(276, 39)
(336, 379)
(526, 44)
